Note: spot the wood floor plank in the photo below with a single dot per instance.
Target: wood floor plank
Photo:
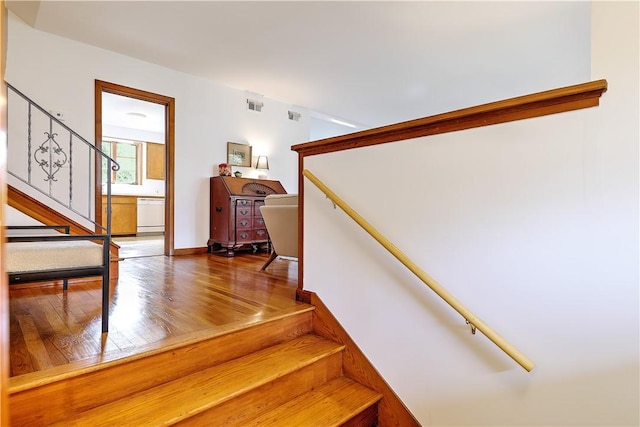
(35, 346)
(20, 359)
(155, 299)
(23, 362)
(41, 326)
(68, 338)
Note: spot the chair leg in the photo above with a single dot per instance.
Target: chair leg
(272, 257)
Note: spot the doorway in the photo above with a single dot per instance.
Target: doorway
(169, 140)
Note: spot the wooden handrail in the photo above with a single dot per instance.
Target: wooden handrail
(471, 318)
(539, 104)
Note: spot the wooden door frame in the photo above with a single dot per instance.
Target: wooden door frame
(4, 284)
(169, 136)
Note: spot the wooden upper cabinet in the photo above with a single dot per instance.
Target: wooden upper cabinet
(155, 161)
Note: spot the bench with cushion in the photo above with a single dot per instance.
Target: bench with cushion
(48, 257)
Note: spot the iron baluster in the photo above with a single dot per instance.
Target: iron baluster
(50, 146)
(89, 187)
(29, 146)
(50, 165)
(70, 170)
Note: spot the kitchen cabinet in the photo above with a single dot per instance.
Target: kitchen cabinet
(124, 214)
(155, 161)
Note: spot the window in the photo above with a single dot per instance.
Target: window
(128, 155)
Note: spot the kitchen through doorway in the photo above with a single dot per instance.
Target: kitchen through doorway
(136, 129)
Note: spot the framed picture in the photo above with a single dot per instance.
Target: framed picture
(238, 154)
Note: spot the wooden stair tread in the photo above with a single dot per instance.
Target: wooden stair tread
(179, 399)
(118, 357)
(332, 404)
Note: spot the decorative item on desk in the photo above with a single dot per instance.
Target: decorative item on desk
(262, 164)
(238, 174)
(224, 169)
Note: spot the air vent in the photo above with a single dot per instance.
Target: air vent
(254, 105)
(294, 116)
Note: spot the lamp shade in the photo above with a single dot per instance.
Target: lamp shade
(262, 163)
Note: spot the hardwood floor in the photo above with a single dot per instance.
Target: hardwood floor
(140, 246)
(155, 301)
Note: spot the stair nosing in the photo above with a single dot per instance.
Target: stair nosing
(201, 407)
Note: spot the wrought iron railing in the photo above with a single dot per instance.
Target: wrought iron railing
(51, 158)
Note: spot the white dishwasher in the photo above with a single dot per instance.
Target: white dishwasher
(150, 215)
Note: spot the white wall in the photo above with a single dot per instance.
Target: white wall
(323, 128)
(59, 74)
(15, 217)
(532, 224)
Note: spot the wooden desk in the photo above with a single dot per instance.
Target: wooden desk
(235, 221)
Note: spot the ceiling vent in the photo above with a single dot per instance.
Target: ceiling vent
(254, 105)
(294, 116)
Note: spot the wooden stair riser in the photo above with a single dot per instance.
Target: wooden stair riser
(262, 399)
(64, 398)
(366, 418)
(338, 402)
(172, 402)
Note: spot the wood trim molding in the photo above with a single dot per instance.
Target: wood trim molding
(300, 221)
(97, 182)
(523, 107)
(4, 283)
(46, 215)
(170, 114)
(170, 191)
(355, 365)
(190, 251)
(41, 212)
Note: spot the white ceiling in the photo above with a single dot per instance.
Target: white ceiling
(117, 111)
(368, 63)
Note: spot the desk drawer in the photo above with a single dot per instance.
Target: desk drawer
(244, 212)
(244, 223)
(244, 236)
(260, 235)
(256, 207)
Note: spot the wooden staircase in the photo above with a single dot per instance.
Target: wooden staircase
(275, 373)
(47, 215)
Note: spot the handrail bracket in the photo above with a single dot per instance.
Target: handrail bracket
(473, 327)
